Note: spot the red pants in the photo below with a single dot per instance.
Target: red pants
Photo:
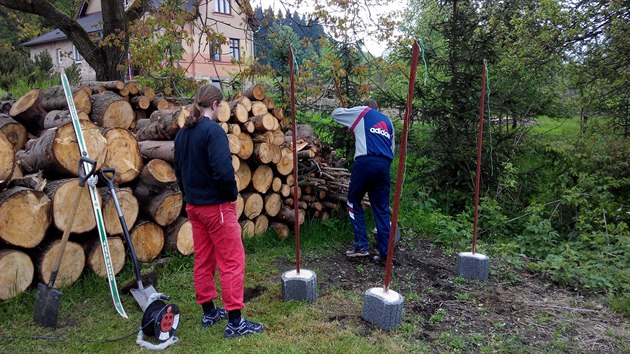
(217, 244)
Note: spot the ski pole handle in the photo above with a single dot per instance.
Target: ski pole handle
(82, 176)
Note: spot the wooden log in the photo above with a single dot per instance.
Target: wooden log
(56, 117)
(17, 273)
(24, 216)
(234, 143)
(268, 101)
(247, 228)
(287, 214)
(259, 108)
(153, 149)
(234, 129)
(253, 204)
(247, 146)
(158, 173)
(263, 153)
(244, 175)
(141, 122)
(148, 240)
(108, 85)
(7, 160)
(224, 112)
(55, 99)
(14, 131)
(262, 178)
(148, 92)
(316, 205)
(225, 127)
(34, 181)
(123, 154)
(282, 230)
(276, 184)
(256, 92)
(263, 122)
(273, 204)
(62, 193)
(162, 205)
(289, 180)
(128, 206)
(141, 102)
(159, 103)
(236, 162)
(239, 112)
(132, 87)
(109, 110)
(285, 166)
(5, 105)
(56, 150)
(243, 100)
(276, 154)
(164, 124)
(28, 111)
(179, 236)
(240, 205)
(71, 267)
(248, 127)
(285, 190)
(94, 255)
(278, 113)
(261, 224)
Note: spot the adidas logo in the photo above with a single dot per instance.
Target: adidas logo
(380, 128)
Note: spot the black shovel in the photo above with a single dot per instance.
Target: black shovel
(141, 293)
(47, 301)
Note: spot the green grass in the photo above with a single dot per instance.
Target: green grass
(559, 128)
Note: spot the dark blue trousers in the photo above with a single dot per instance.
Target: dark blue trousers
(370, 174)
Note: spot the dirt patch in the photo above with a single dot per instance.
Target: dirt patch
(515, 308)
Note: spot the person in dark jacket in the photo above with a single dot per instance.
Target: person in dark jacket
(374, 152)
(203, 165)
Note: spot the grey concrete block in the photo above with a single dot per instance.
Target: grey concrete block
(473, 266)
(383, 309)
(299, 287)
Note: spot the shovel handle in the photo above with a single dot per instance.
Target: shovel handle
(83, 177)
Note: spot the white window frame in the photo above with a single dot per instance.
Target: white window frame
(223, 7)
(216, 56)
(59, 56)
(76, 56)
(235, 48)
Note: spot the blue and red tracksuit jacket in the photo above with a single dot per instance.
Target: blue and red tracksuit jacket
(373, 131)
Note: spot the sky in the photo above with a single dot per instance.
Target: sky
(374, 47)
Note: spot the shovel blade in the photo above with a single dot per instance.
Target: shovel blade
(47, 306)
(142, 296)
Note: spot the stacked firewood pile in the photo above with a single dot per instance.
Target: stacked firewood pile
(132, 129)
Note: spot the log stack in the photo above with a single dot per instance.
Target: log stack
(132, 130)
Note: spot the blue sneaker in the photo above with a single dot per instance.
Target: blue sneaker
(244, 328)
(215, 316)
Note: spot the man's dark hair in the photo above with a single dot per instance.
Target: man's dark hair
(371, 103)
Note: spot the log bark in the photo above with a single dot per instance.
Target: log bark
(128, 206)
(109, 110)
(154, 149)
(247, 146)
(253, 204)
(17, 273)
(123, 154)
(56, 150)
(179, 236)
(55, 99)
(281, 230)
(7, 160)
(56, 118)
(35, 181)
(256, 92)
(94, 255)
(5, 105)
(14, 131)
(287, 214)
(158, 173)
(262, 178)
(108, 85)
(24, 216)
(273, 204)
(71, 267)
(261, 224)
(148, 240)
(164, 124)
(28, 111)
(62, 193)
(247, 228)
(162, 205)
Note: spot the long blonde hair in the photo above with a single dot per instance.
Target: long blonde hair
(204, 98)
